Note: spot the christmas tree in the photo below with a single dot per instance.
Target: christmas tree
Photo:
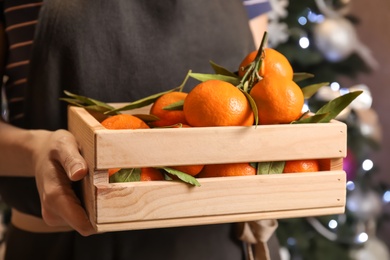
(319, 37)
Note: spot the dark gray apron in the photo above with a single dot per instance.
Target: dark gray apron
(120, 51)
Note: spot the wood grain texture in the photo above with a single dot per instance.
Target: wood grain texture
(83, 125)
(139, 205)
(220, 196)
(182, 146)
(206, 220)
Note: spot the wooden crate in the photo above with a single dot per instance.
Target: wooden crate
(143, 205)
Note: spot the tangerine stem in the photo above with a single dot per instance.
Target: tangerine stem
(251, 75)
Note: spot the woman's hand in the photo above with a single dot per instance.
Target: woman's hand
(57, 163)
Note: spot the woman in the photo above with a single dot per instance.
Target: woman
(115, 51)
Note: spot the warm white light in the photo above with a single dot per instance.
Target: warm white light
(367, 165)
(332, 224)
(362, 237)
(335, 86)
(304, 42)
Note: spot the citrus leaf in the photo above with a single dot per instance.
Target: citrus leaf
(147, 117)
(310, 90)
(142, 102)
(312, 119)
(335, 106)
(175, 106)
(97, 108)
(270, 167)
(126, 175)
(150, 99)
(73, 101)
(203, 77)
(78, 103)
(182, 176)
(253, 106)
(167, 177)
(87, 101)
(221, 70)
(299, 76)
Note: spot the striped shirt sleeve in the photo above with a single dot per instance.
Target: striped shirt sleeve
(255, 8)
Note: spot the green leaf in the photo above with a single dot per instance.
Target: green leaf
(126, 175)
(167, 177)
(175, 106)
(335, 106)
(141, 102)
(204, 77)
(73, 101)
(147, 117)
(87, 101)
(253, 106)
(221, 70)
(270, 167)
(310, 90)
(299, 76)
(311, 119)
(150, 99)
(182, 176)
(97, 108)
(254, 164)
(78, 103)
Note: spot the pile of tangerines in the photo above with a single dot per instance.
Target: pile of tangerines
(265, 94)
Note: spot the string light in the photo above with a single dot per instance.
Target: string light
(332, 224)
(315, 18)
(362, 237)
(302, 20)
(350, 185)
(335, 86)
(304, 42)
(367, 165)
(386, 197)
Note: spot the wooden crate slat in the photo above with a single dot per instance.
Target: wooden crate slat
(220, 196)
(127, 149)
(231, 218)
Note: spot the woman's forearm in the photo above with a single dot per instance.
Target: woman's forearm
(17, 149)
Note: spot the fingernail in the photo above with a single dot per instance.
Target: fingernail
(75, 168)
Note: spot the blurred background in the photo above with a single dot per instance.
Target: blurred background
(344, 43)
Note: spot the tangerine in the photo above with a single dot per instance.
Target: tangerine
(279, 100)
(147, 174)
(168, 117)
(151, 174)
(224, 170)
(124, 121)
(217, 103)
(192, 170)
(274, 64)
(306, 165)
(113, 171)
